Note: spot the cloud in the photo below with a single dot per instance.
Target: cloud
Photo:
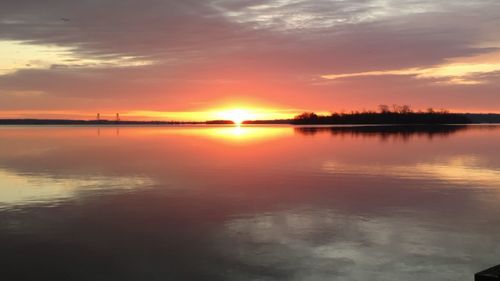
(450, 73)
(20, 56)
(301, 14)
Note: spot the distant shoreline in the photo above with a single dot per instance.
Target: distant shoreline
(349, 119)
(104, 122)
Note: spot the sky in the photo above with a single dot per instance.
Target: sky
(203, 59)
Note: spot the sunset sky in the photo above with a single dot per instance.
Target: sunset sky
(203, 59)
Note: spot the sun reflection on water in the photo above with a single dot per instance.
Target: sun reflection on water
(232, 133)
(243, 133)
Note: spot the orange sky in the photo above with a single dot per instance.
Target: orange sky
(197, 60)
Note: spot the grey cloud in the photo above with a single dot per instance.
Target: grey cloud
(193, 28)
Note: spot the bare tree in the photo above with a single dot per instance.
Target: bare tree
(384, 108)
(405, 109)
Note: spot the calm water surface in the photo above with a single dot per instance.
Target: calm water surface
(249, 203)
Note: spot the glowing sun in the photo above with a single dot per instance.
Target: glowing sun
(236, 115)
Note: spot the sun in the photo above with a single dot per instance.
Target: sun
(238, 116)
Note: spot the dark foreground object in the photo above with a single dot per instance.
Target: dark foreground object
(491, 274)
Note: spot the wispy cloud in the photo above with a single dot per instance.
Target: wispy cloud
(17, 55)
(457, 73)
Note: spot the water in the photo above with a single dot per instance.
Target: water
(249, 203)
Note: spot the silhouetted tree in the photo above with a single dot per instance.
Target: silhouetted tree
(384, 109)
(405, 109)
(306, 116)
(396, 114)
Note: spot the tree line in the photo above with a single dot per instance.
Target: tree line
(395, 114)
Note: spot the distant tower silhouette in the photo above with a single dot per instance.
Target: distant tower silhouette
(98, 116)
(118, 117)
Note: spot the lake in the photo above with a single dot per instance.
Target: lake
(248, 203)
